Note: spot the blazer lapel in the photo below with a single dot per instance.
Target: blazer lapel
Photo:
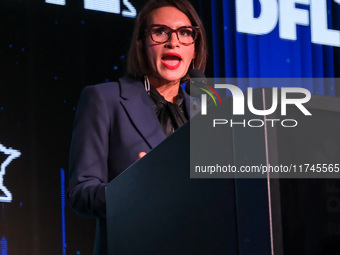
(138, 106)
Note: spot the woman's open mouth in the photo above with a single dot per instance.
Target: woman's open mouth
(171, 60)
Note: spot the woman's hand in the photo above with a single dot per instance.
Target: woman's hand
(142, 154)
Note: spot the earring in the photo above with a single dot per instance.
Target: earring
(193, 64)
(147, 84)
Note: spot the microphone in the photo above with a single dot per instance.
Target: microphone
(198, 74)
(192, 88)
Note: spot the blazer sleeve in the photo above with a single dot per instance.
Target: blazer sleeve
(89, 155)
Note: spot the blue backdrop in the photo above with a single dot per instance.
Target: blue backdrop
(246, 55)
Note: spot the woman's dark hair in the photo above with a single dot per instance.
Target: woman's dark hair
(137, 62)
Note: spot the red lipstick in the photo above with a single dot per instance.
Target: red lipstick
(171, 60)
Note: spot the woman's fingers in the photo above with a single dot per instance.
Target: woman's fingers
(142, 154)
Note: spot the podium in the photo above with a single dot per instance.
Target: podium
(155, 208)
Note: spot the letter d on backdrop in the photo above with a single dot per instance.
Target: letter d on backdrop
(264, 24)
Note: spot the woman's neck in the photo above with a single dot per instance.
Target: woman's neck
(169, 90)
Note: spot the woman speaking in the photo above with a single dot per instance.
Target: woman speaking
(117, 123)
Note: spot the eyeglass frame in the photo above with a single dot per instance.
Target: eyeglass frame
(171, 31)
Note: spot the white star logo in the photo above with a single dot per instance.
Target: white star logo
(12, 155)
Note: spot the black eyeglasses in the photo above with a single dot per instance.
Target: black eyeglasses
(186, 35)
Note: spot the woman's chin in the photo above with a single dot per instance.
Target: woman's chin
(172, 76)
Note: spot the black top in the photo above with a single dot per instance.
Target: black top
(171, 116)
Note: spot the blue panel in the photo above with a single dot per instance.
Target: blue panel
(253, 56)
(229, 38)
(3, 246)
(268, 55)
(241, 55)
